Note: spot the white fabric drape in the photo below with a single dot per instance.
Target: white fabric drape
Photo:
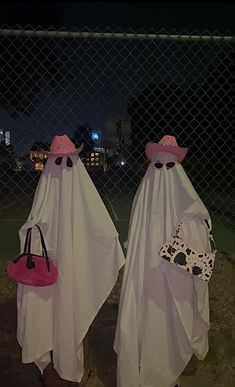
(164, 311)
(83, 242)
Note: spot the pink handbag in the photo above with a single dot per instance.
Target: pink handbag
(32, 269)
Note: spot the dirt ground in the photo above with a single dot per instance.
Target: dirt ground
(217, 370)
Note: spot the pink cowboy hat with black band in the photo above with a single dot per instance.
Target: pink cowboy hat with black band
(166, 144)
(63, 146)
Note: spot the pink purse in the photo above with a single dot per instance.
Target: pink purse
(32, 269)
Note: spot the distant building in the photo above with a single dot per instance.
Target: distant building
(5, 136)
(118, 131)
(95, 159)
(24, 164)
(96, 136)
(38, 155)
(118, 138)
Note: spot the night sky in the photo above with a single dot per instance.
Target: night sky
(103, 77)
(198, 16)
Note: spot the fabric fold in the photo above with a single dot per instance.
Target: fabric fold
(163, 313)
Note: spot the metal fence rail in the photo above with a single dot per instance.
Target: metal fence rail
(123, 90)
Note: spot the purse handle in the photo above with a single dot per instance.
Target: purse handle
(27, 245)
(212, 241)
(206, 223)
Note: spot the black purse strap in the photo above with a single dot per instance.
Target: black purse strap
(212, 242)
(43, 244)
(27, 245)
(27, 248)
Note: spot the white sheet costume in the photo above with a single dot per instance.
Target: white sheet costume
(164, 311)
(83, 242)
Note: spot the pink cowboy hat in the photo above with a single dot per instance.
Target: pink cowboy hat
(63, 146)
(166, 144)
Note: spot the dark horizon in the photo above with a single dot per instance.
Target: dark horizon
(213, 17)
(89, 81)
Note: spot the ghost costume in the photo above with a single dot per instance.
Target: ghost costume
(83, 243)
(164, 311)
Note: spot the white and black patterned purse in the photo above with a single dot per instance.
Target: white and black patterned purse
(200, 264)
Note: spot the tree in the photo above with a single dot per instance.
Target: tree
(27, 65)
(200, 115)
(39, 152)
(215, 107)
(160, 110)
(7, 158)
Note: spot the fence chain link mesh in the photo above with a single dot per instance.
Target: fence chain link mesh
(116, 92)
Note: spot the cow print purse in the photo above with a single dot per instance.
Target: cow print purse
(197, 263)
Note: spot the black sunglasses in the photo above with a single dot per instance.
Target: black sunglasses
(69, 162)
(169, 165)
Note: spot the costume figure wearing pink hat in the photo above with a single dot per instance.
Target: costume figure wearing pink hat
(83, 243)
(166, 144)
(163, 316)
(63, 146)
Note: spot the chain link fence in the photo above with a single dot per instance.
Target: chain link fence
(114, 92)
